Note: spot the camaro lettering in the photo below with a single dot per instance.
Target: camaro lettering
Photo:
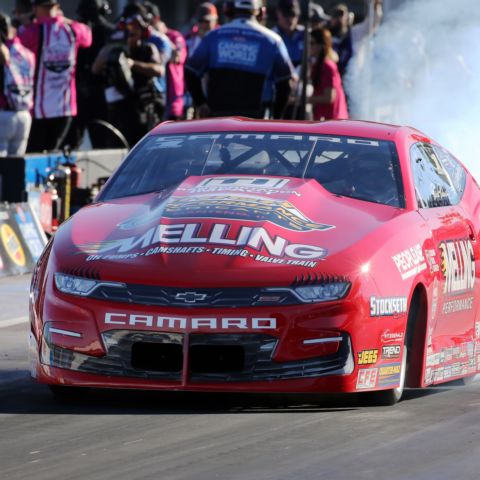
(194, 323)
(389, 306)
(458, 266)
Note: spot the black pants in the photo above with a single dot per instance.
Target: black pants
(47, 134)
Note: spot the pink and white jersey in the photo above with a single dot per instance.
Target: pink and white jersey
(18, 78)
(55, 43)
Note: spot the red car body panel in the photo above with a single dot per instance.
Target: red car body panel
(393, 258)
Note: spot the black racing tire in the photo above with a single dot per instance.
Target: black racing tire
(465, 381)
(64, 393)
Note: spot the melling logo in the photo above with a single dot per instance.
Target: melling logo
(458, 266)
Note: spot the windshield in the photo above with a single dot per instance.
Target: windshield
(361, 168)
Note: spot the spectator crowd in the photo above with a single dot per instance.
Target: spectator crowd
(61, 77)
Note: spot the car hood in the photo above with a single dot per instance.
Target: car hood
(211, 231)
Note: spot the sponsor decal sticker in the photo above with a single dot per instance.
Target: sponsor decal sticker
(432, 260)
(162, 322)
(435, 297)
(388, 336)
(387, 306)
(242, 207)
(220, 239)
(438, 374)
(458, 266)
(428, 376)
(367, 378)
(29, 232)
(367, 357)
(410, 262)
(12, 245)
(255, 185)
(389, 374)
(459, 305)
(391, 351)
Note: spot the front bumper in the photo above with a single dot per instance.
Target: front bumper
(195, 358)
(117, 346)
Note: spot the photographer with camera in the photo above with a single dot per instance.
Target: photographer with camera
(17, 70)
(130, 65)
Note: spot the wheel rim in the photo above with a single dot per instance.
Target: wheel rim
(403, 374)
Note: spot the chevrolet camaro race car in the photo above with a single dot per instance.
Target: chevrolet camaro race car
(259, 256)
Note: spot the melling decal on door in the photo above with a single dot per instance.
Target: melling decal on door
(458, 266)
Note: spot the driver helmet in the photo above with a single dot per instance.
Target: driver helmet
(371, 178)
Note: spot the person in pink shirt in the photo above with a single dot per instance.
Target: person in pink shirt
(17, 69)
(328, 99)
(55, 40)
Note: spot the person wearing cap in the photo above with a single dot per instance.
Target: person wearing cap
(206, 20)
(155, 36)
(340, 23)
(55, 41)
(238, 58)
(317, 16)
(292, 34)
(134, 104)
(17, 70)
(22, 13)
(176, 65)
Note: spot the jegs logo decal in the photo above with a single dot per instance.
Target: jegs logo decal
(458, 266)
(367, 357)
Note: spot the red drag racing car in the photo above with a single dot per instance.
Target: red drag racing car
(258, 256)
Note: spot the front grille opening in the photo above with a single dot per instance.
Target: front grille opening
(216, 358)
(157, 357)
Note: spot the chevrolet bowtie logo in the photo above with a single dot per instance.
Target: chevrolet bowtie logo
(190, 297)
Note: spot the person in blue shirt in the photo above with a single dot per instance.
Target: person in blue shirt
(292, 34)
(239, 57)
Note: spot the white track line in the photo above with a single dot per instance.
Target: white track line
(13, 321)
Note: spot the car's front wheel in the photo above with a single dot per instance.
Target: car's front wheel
(392, 396)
